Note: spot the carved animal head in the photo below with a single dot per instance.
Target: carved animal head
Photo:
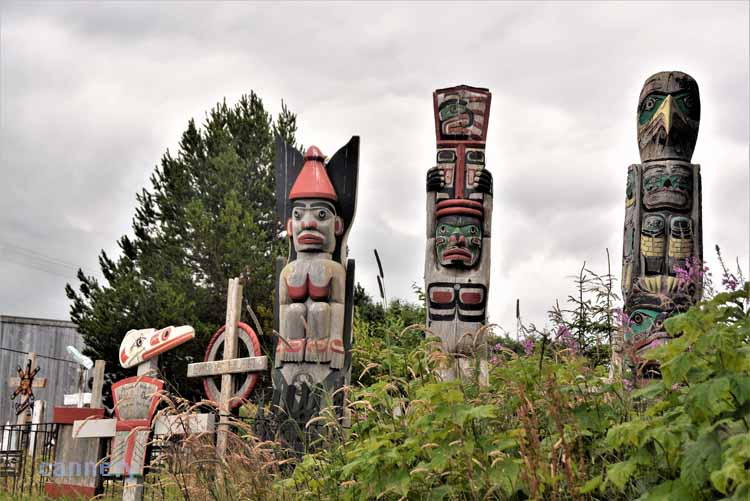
(669, 112)
(667, 186)
(138, 346)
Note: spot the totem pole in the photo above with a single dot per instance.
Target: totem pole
(662, 212)
(459, 222)
(314, 286)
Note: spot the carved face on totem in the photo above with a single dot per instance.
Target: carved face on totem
(669, 112)
(458, 241)
(314, 225)
(667, 186)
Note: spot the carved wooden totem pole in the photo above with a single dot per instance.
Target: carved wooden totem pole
(662, 212)
(317, 201)
(459, 222)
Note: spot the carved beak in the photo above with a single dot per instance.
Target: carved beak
(166, 339)
(665, 111)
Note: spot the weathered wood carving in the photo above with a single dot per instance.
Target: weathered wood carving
(663, 228)
(459, 221)
(135, 399)
(316, 201)
(25, 384)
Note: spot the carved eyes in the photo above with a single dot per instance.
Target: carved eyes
(442, 230)
(297, 215)
(649, 104)
(139, 342)
(473, 230)
(322, 215)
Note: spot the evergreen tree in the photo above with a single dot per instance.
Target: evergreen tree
(208, 216)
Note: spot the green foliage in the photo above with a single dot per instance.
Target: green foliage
(549, 425)
(692, 440)
(208, 216)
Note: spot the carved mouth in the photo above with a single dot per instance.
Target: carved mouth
(309, 238)
(457, 254)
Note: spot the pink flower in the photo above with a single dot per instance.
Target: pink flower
(566, 338)
(691, 273)
(528, 346)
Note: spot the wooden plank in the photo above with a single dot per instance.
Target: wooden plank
(85, 398)
(94, 428)
(232, 366)
(234, 305)
(39, 382)
(98, 384)
(184, 423)
(48, 339)
(69, 415)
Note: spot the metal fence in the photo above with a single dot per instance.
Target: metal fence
(25, 450)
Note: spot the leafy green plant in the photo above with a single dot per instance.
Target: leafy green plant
(693, 439)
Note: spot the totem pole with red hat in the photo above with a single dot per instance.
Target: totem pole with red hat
(459, 223)
(316, 201)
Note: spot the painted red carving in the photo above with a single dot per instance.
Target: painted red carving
(313, 181)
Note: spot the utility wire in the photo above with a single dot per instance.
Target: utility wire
(40, 356)
(35, 260)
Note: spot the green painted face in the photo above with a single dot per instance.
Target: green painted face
(458, 241)
(642, 320)
(667, 186)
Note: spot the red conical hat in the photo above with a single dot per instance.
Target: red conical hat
(313, 181)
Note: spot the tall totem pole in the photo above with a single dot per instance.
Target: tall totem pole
(662, 212)
(459, 222)
(315, 285)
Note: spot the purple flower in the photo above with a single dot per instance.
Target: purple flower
(498, 347)
(622, 318)
(627, 384)
(493, 359)
(528, 346)
(566, 338)
(730, 281)
(691, 273)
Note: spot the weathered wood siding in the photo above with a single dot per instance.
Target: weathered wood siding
(48, 338)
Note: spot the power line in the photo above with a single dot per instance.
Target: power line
(36, 260)
(40, 356)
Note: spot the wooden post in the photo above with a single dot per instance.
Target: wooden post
(234, 304)
(37, 417)
(132, 488)
(98, 385)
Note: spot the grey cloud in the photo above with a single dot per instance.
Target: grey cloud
(93, 94)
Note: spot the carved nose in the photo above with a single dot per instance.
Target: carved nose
(309, 225)
(458, 239)
(667, 183)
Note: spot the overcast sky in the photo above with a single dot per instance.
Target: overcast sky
(93, 94)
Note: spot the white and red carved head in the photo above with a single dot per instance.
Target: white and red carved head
(138, 346)
(314, 224)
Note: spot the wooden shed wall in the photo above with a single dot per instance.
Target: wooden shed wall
(48, 338)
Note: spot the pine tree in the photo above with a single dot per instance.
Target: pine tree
(208, 216)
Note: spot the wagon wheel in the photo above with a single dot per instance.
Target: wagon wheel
(247, 346)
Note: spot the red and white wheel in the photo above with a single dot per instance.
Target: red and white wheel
(248, 342)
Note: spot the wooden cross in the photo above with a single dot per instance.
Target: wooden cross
(25, 384)
(230, 365)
